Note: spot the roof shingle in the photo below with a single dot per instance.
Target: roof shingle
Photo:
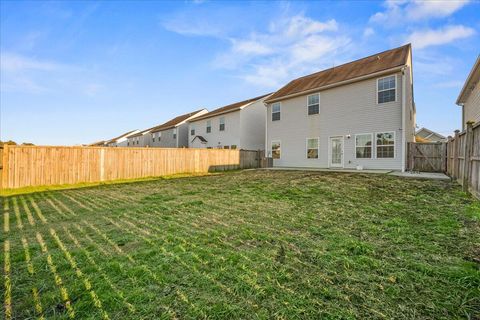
(348, 71)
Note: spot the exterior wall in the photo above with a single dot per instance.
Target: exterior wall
(252, 126)
(471, 108)
(216, 138)
(344, 111)
(183, 134)
(143, 141)
(166, 141)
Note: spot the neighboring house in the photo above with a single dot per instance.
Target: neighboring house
(174, 133)
(240, 125)
(356, 115)
(469, 98)
(171, 134)
(426, 135)
(121, 141)
(97, 144)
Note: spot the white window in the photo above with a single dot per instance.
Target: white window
(153, 136)
(159, 136)
(192, 131)
(363, 146)
(175, 133)
(276, 149)
(276, 111)
(222, 124)
(313, 104)
(209, 126)
(312, 148)
(385, 142)
(386, 89)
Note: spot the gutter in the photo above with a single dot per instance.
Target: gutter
(336, 84)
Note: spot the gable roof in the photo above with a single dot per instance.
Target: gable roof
(126, 134)
(229, 108)
(349, 71)
(470, 83)
(175, 121)
(202, 139)
(429, 135)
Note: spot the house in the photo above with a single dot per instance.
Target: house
(426, 135)
(469, 98)
(97, 144)
(171, 134)
(240, 125)
(122, 140)
(357, 115)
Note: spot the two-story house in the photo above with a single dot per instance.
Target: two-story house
(174, 133)
(469, 98)
(122, 140)
(171, 134)
(357, 115)
(239, 125)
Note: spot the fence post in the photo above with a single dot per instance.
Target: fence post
(102, 164)
(467, 154)
(456, 151)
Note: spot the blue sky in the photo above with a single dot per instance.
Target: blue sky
(78, 72)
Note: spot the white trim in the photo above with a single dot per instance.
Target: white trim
(318, 148)
(396, 87)
(330, 165)
(372, 146)
(384, 145)
(220, 123)
(313, 94)
(271, 113)
(404, 121)
(271, 149)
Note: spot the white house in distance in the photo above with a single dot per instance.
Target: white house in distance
(427, 135)
(240, 125)
(174, 133)
(469, 98)
(171, 134)
(120, 141)
(356, 115)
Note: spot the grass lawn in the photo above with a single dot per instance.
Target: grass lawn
(251, 244)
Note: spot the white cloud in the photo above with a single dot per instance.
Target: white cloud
(397, 12)
(368, 32)
(15, 62)
(292, 46)
(430, 37)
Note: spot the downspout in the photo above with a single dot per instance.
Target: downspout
(266, 130)
(404, 140)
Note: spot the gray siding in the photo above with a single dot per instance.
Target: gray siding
(344, 111)
(252, 126)
(216, 138)
(471, 107)
(166, 140)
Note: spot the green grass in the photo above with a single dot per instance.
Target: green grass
(252, 244)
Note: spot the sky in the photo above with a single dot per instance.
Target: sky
(81, 71)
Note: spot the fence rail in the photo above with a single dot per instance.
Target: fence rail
(27, 166)
(463, 158)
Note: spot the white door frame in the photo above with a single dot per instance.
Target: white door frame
(330, 152)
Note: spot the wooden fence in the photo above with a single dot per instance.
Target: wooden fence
(27, 166)
(427, 157)
(463, 158)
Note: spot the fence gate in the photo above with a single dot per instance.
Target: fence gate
(427, 157)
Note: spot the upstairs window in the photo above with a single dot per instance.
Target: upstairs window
(386, 145)
(175, 133)
(312, 148)
(153, 137)
(222, 124)
(363, 146)
(386, 89)
(192, 131)
(276, 111)
(313, 104)
(209, 126)
(159, 136)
